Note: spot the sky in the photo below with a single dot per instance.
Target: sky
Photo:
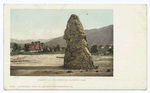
(51, 23)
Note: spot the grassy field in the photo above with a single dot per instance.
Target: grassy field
(103, 51)
(36, 53)
(100, 51)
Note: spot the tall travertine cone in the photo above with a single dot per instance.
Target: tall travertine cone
(77, 55)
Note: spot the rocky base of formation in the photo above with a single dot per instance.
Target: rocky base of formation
(78, 59)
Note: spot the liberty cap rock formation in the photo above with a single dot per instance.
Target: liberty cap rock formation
(77, 56)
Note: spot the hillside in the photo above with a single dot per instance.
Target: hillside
(28, 41)
(102, 36)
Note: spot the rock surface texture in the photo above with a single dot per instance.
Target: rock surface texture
(77, 56)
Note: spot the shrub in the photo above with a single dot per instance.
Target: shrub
(94, 49)
(110, 51)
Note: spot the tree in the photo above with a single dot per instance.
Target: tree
(45, 49)
(63, 48)
(94, 49)
(15, 47)
(19, 47)
(26, 47)
(55, 48)
(51, 49)
(58, 47)
(110, 51)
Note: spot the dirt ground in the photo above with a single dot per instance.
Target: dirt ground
(52, 65)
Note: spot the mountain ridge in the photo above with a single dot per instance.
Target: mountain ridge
(102, 36)
(28, 41)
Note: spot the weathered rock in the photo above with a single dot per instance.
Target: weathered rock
(77, 55)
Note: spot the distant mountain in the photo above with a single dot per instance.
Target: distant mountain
(102, 36)
(28, 41)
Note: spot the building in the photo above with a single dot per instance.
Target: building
(34, 46)
(109, 46)
(100, 47)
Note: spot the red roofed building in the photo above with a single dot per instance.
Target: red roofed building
(34, 46)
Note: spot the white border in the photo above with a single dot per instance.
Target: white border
(77, 1)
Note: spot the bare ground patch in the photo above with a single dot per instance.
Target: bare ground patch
(52, 65)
